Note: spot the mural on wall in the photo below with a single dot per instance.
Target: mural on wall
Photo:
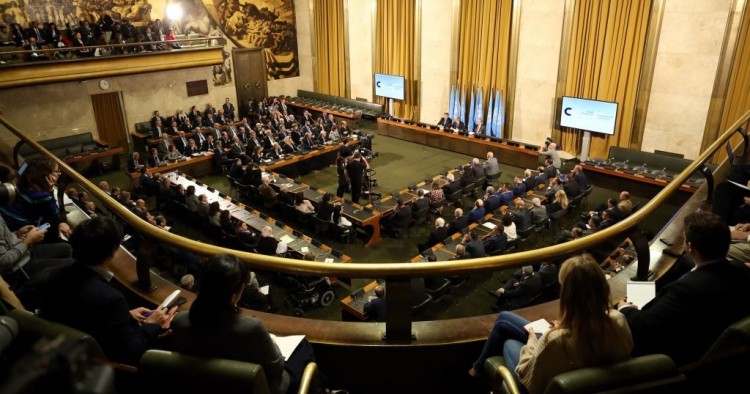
(268, 24)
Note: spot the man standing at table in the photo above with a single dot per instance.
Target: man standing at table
(355, 172)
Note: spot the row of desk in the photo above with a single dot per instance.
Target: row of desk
(523, 155)
(294, 239)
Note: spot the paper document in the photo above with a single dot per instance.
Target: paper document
(739, 185)
(287, 239)
(489, 225)
(641, 293)
(264, 289)
(304, 249)
(328, 260)
(540, 326)
(287, 344)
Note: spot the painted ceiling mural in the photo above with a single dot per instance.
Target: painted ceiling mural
(268, 24)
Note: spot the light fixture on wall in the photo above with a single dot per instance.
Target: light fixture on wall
(174, 14)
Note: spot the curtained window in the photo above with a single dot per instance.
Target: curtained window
(330, 57)
(604, 63)
(395, 51)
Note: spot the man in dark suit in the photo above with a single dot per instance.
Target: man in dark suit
(400, 218)
(375, 306)
(458, 126)
(519, 188)
(580, 177)
(522, 215)
(474, 245)
(157, 118)
(228, 109)
(689, 314)
(452, 186)
(173, 128)
(82, 297)
(460, 221)
(477, 213)
(572, 189)
(437, 235)
(497, 241)
(421, 203)
(135, 163)
(518, 293)
(445, 121)
(506, 195)
(164, 143)
(181, 142)
(157, 129)
(491, 200)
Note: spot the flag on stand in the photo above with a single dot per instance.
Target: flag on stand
(499, 114)
(462, 108)
(452, 101)
(488, 122)
(479, 109)
(470, 125)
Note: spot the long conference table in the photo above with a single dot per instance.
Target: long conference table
(294, 239)
(508, 152)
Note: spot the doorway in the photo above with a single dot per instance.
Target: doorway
(110, 119)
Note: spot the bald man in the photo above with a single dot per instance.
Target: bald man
(551, 152)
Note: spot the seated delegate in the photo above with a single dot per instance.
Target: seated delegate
(589, 332)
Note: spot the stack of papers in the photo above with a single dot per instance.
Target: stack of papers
(540, 326)
(489, 225)
(287, 238)
(287, 344)
(641, 293)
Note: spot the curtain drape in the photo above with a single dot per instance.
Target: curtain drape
(395, 51)
(331, 71)
(604, 63)
(738, 99)
(484, 45)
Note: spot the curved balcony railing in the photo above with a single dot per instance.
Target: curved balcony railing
(398, 325)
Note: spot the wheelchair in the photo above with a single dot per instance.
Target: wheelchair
(309, 292)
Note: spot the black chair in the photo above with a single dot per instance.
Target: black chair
(345, 233)
(419, 217)
(468, 190)
(436, 207)
(437, 288)
(542, 224)
(455, 197)
(586, 193)
(555, 217)
(526, 232)
(321, 226)
(304, 219)
(492, 179)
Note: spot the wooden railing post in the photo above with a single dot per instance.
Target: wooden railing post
(398, 302)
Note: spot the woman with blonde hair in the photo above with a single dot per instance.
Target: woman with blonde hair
(560, 202)
(589, 332)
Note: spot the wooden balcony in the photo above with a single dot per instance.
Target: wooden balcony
(193, 53)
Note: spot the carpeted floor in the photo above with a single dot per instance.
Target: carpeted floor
(398, 165)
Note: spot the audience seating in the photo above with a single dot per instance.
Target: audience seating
(728, 357)
(654, 373)
(492, 179)
(165, 371)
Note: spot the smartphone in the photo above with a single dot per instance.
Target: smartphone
(42, 227)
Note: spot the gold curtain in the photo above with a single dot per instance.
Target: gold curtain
(483, 47)
(330, 71)
(604, 63)
(738, 99)
(395, 51)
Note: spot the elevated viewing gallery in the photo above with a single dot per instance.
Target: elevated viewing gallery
(468, 196)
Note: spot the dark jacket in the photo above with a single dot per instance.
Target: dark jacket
(689, 314)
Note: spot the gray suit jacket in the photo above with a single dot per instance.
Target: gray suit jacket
(491, 167)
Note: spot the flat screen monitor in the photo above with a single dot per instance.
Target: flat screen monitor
(389, 86)
(589, 115)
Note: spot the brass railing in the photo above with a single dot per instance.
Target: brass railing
(186, 43)
(397, 275)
